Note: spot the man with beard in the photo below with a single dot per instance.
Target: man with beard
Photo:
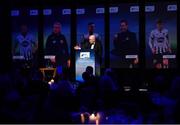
(125, 43)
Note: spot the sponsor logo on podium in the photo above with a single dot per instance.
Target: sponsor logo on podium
(84, 55)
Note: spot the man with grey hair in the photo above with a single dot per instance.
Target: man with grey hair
(96, 46)
(56, 44)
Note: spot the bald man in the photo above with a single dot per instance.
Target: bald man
(95, 45)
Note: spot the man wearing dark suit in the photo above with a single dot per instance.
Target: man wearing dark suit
(56, 44)
(125, 43)
(95, 45)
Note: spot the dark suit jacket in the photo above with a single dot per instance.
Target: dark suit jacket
(97, 49)
(125, 44)
(57, 45)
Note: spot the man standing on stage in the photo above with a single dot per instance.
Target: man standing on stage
(26, 44)
(125, 43)
(92, 44)
(95, 45)
(159, 45)
(56, 44)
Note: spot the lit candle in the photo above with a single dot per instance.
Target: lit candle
(97, 121)
(92, 117)
(82, 118)
(49, 82)
(97, 118)
(52, 80)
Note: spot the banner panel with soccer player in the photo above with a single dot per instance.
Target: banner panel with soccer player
(24, 24)
(161, 35)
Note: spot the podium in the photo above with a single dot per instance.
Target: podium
(83, 58)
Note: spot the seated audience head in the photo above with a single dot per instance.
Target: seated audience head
(85, 76)
(89, 70)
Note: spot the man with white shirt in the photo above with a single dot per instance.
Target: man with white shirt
(159, 40)
(159, 44)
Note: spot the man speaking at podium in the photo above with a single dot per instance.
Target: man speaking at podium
(93, 44)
